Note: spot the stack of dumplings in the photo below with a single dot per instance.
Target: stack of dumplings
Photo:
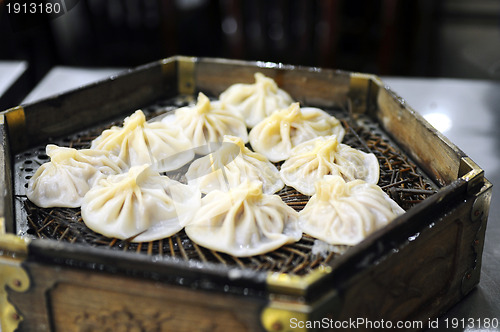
(237, 153)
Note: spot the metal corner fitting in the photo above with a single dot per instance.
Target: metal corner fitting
(186, 75)
(287, 309)
(471, 173)
(16, 123)
(13, 251)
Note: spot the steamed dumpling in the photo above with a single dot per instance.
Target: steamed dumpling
(140, 204)
(346, 212)
(68, 176)
(244, 222)
(139, 142)
(207, 122)
(279, 133)
(232, 164)
(255, 101)
(312, 160)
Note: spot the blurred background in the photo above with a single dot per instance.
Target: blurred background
(420, 38)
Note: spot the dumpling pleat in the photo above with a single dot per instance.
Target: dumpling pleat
(344, 213)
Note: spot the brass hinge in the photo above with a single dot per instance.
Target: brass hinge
(288, 309)
(13, 251)
(295, 285)
(286, 315)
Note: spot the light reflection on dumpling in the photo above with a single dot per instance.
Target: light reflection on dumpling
(279, 133)
(344, 213)
(255, 101)
(312, 160)
(243, 221)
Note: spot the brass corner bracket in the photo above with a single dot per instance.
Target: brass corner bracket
(13, 251)
(287, 309)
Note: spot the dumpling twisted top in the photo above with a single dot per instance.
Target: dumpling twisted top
(68, 176)
(232, 164)
(255, 101)
(139, 142)
(207, 122)
(140, 204)
(243, 221)
(277, 134)
(346, 212)
(313, 159)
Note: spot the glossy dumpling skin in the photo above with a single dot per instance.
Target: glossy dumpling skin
(140, 205)
(243, 222)
(139, 142)
(232, 164)
(344, 213)
(69, 175)
(207, 122)
(255, 101)
(324, 155)
(279, 133)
